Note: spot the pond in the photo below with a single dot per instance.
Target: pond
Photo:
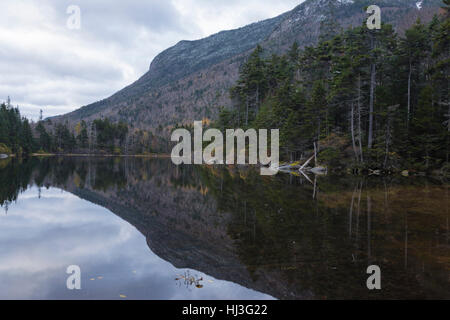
(146, 229)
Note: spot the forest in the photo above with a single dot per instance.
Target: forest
(20, 137)
(369, 99)
(16, 135)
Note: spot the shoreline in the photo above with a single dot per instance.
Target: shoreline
(101, 155)
(348, 171)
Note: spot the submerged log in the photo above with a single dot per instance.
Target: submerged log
(319, 171)
(296, 167)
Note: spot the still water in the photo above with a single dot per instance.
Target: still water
(145, 229)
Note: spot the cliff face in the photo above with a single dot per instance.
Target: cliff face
(191, 80)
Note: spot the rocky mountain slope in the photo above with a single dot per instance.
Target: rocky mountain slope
(191, 80)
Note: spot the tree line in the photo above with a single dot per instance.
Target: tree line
(366, 98)
(102, 136)
(15, 131)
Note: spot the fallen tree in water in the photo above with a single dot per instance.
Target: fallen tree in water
(303, 168)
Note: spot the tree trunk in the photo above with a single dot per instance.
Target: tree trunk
(352, 124)
(246, 115)
(371, 103)
(373, 74)
(409, 95)
(318, 133)
(315, 154)
(388, 141)
(257, 99)
(359, 120)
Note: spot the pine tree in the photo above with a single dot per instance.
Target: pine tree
(83, 138)
(45, 141)
(26, 138)
(426, 128)
(360, 86)
(414, 47)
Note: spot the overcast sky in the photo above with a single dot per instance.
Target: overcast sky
(46, 65)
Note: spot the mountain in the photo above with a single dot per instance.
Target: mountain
(190, 80)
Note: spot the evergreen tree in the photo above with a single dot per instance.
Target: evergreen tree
(384, 98)
(426, 128)
(83, 138)
(414, 48)
(45, 140)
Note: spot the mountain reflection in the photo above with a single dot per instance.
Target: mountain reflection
(278, 235)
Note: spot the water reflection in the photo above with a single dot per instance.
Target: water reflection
(282, 236)
(47, 230)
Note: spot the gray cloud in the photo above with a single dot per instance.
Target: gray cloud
(45, 65)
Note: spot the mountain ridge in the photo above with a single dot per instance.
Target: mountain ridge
(190, 80)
